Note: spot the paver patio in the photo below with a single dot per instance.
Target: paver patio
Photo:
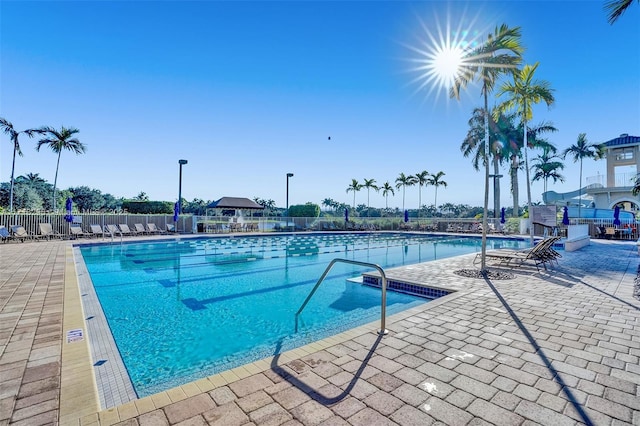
(552, 347)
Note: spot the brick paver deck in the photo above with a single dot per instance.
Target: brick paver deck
(553, 348)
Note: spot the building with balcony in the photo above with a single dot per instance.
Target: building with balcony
(623, 165)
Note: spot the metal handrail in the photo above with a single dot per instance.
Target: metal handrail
(383, 302)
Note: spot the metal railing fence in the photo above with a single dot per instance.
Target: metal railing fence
(31, 221)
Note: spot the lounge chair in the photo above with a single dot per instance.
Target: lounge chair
(5, 235)
(77, 232)
(19, 233)
(46, 231)
(171, 228)
(112, 230)
(153, 229)
(96, 230)
(540, 254)
(125, 230)
(139, 228)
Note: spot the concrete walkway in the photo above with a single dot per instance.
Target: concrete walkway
(552, 347)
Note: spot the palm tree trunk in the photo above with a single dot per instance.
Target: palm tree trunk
(526, 165)
(483, 255)
(496, 187)
(435, 202)
(403, 192)
(514, 186)
(55, 181)
(13, 168)
(580, 189)
(419, 201)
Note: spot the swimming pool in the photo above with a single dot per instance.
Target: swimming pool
(184, 309)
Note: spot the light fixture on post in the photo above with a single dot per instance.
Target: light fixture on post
(288, 176)
(181, 162)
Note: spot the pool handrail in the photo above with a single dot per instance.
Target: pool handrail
(383, 302)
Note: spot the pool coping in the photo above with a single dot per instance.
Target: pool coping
(79, 396)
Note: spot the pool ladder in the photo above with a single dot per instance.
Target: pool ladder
(383, 302)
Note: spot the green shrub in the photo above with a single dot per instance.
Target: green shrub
(304, 210)
(148, 207)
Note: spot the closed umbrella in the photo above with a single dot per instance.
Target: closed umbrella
(176, 211)
(616, 216)
(565, 216)
(406, 215)
(346, 215)
(502, 219)
(69, 207)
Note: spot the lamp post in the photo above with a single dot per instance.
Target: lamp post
(288, 176)
(181, 162)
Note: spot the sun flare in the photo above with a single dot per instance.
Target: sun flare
(439, 55)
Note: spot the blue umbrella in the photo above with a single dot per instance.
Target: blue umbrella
(176, 211)
(502, 219)
(346, 215)
(616, 216)
(406, 215)
(565, 216)
(69, 207)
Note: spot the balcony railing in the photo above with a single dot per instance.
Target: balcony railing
(620, 180)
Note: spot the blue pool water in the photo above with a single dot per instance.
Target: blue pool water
(184, 309)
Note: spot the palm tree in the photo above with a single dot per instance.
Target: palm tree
(370, 184)
(355, 187)
(546, 167)
(435, 181)
(58, 141)
(404, 181)
(422, 180)
(473, 145)
(386, 189)
(524, 93)
(584, 149)
(8, 129)
(616, 8)
(499, 54)
(328, 202)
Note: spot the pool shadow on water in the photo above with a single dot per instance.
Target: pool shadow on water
(328, 394)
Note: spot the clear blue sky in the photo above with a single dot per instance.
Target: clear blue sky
(248, 91)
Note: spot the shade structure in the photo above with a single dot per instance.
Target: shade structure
(502, 219)
(346, 215)
(565, 216)
(235, 203)
(616, 216)
(406, 215)
(176, 211)
(69, 207)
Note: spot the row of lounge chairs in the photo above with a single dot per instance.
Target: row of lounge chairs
(120, 230)
(19, 233)
(540, 254)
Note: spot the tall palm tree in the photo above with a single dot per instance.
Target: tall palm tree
(435, 180)
(59, 140)
(355, 186)
(584, 149)
(616, 8)
(370, 184)
(404, 181)
(524, 92)
(386, 190)
(501, 53)
(545, 167)
(7, 128)
(473, 145)
(422, 180)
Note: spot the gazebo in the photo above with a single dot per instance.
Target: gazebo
(235, 203)
(235, 223)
